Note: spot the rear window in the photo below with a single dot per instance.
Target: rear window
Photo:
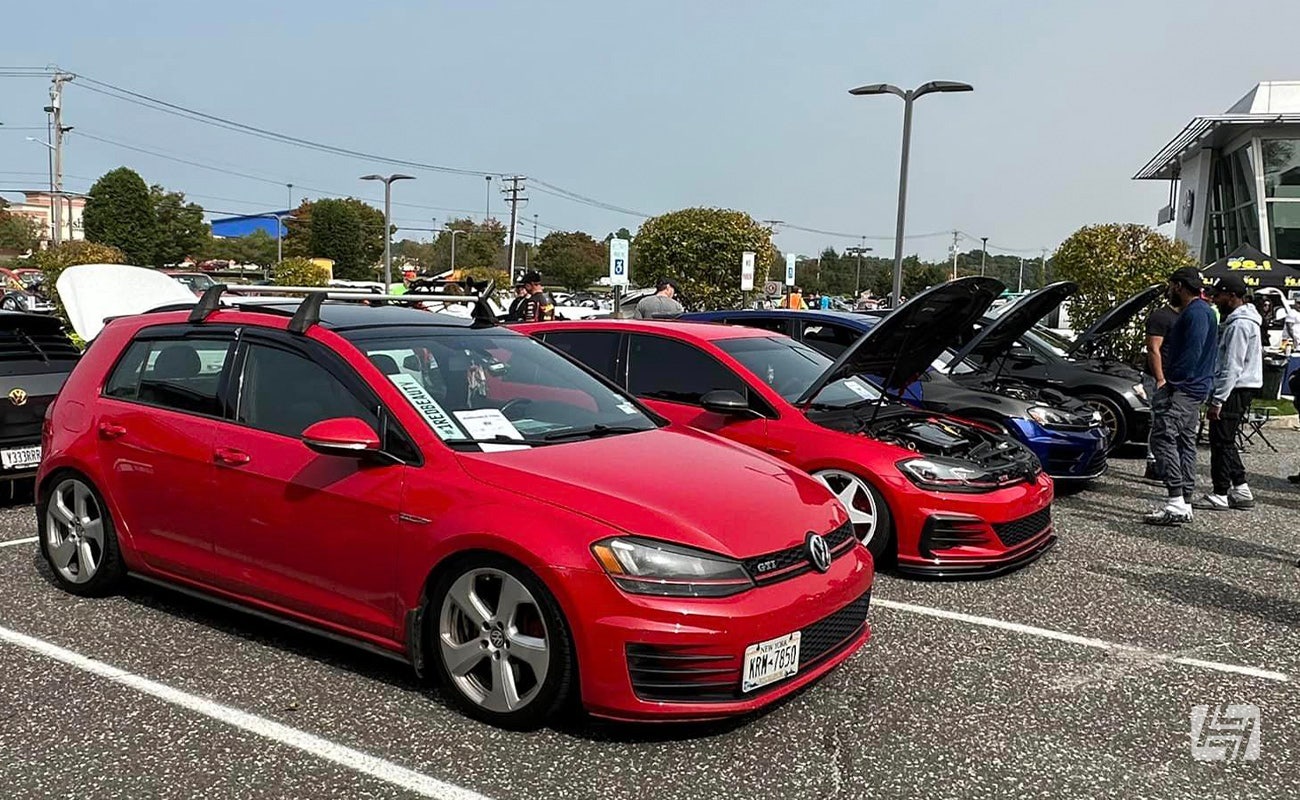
(42, 341)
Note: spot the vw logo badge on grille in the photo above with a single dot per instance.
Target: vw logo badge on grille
(819, 553)
(18, 397)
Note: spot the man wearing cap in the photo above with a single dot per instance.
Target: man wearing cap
(659, 304)
(1238, 377)
(1188, 365)
(538, 305)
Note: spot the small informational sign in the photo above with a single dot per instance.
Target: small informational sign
(772, 289)
(489, 423)
(747, 271)
(789, 269)
(618, 262)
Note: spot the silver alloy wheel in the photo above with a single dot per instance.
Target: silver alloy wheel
(74, 531)
(857, 499)
(493, 640)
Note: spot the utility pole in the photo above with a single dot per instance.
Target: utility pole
(516, 186)
(290, 187)
(487, 203)
(984, 253)
(1020, 285)
(1043, 277)
(55, 109)
(954, 254)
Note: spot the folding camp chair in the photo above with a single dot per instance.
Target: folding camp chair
(1252, 427)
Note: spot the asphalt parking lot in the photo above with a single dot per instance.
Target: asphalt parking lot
(1073, 678)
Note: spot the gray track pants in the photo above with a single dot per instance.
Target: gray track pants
(1173, 439)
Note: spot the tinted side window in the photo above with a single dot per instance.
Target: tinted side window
(776, 325)
(596, 349)
(181, 374)
(664, 369)
(827, 339)
(284, 392)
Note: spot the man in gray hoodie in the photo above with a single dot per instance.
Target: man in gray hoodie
(1238, 377)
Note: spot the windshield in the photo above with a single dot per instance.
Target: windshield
(790, 368)
(1048, 340)
(944, 364)
(498, 387)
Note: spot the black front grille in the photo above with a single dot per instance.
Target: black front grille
(826, 637)
(794, 561)
(1022, 530)
(697, 675)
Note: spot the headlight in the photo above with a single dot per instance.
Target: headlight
(644, 566)
(1140, 391)
(947, 474)
(1044, 415)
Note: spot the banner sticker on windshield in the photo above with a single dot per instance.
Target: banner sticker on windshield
(487, 423)
(427, 406)
(858, 389)
(627, 408)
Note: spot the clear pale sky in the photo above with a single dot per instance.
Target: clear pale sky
(658, 105)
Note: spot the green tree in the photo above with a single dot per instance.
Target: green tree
(346, 230)
(181, 231)
(119, 212)
(478, 246)
(1112, 262)
(54, 260)
(18, 232)
(573, 260)
(701, 248)
(299, 271)
(258, 248)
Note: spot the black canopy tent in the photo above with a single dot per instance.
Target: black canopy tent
(1258, 269)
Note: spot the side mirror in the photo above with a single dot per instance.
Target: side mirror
(344, 436)
(727, 402)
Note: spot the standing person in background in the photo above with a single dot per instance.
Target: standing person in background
(1159, 322)
(794, 300)
(538, 306)
(1188, 364)
(662, 303)
(516, 311)
(1238, 377)
(1291, 324)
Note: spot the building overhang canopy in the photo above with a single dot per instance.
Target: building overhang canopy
(1205, 132)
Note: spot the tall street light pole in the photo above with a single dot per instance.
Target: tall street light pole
(909, 96)
(454, 234)
(859, 252)
(388, 222)
(487, 202)
(984, 253)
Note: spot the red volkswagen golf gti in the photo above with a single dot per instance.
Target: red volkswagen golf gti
(946, 497)
(457, 496)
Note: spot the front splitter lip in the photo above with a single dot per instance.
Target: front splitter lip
(985, 568)
(1081, 478)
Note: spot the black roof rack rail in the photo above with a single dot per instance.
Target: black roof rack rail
(308, 313)
(209, 302)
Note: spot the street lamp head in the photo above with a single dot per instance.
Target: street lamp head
(372, 177)
(401, 177)
(877, 88)
(943, 86)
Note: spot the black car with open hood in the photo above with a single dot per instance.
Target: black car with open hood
(1010, 347)
(1091, 342)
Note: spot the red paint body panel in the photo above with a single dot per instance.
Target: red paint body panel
(348, 545)
(797, 440)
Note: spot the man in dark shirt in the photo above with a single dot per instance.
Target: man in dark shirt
(1159, 322)
(539, 307)
(1187, 361)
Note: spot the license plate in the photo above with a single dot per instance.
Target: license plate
(770, 661)
(18, 457)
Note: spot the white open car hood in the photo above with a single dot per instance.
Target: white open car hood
(92, 293)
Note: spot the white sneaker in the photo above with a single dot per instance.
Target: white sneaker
(1213, 502)
(1173, 512)
(1241, 497)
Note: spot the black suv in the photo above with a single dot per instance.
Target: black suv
(35, 359)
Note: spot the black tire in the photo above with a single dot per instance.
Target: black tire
(554, 692)
(9, 304)
(1110, 410)
(110, 571)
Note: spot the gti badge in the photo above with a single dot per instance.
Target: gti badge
(819, 553)
(18, 397)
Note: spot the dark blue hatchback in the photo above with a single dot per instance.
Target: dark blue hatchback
(1067, 436)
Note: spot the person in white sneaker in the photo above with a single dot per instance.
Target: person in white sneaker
(1189, 378)
(1238, 377)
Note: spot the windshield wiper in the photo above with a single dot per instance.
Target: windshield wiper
(594, 432)
(500, 439)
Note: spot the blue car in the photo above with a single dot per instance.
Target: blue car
(1067, 436)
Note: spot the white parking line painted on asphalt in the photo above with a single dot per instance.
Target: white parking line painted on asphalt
(15, 542)
(355, 760)
(1099, 644)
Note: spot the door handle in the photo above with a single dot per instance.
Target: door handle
(231, 457)
(110, 430)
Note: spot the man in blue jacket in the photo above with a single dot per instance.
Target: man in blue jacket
(1190, 350)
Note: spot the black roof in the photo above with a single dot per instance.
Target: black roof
(341, 316)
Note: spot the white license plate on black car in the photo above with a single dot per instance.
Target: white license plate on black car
(20, 457)
(770, 661)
